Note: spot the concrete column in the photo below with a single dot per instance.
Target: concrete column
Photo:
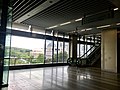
(118, 50)
(109, 50)
(73, 46)
(70, 46)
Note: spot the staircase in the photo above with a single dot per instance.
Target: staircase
(91, 57)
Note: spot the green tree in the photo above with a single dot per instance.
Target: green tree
(40, 58)
(55, 58)
(7, 50)
(65, 56)
(19, 53)
(60, 56)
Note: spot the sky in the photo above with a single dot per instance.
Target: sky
(27, 43)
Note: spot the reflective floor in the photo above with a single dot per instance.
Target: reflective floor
(63, 78)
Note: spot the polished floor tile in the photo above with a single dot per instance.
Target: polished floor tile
(63, 78)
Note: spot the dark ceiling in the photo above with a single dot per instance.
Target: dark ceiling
(61, 12)
(21, 7)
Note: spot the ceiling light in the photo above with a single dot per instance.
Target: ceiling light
(78, 19)
(82, 30)
(115, 9)
(65, 23)
(103, 26)
(118, 24)
(52, 27)
(89, 29)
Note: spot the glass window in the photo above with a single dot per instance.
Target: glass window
(81, 49)
(6, 59)
(26, 51)
(85, 50)
(66, 52)
(78, 50)
(49, 46)
(55, 52)
(60, 52)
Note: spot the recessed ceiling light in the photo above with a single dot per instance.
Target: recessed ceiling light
(103, 26)
(118, 24)
(82, 30)
(65, 23)
(52, 27)
(115, 9)
(78, 19)
(89, 29)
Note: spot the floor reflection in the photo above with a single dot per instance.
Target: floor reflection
(63, 78)
(78, 74)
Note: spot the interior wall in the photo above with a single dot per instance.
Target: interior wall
(109, 50)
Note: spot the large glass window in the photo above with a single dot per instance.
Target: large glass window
(26, 51)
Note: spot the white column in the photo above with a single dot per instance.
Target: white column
(109, 50)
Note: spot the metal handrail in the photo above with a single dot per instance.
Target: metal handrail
(87, 52)
(95, 49)
(92, 51)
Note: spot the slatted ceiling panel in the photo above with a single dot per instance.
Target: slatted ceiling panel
(24, 8)
(66, 10)
(55, 7)
(59, 8)
(51, 11)
(21, 7)
(62, 11)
